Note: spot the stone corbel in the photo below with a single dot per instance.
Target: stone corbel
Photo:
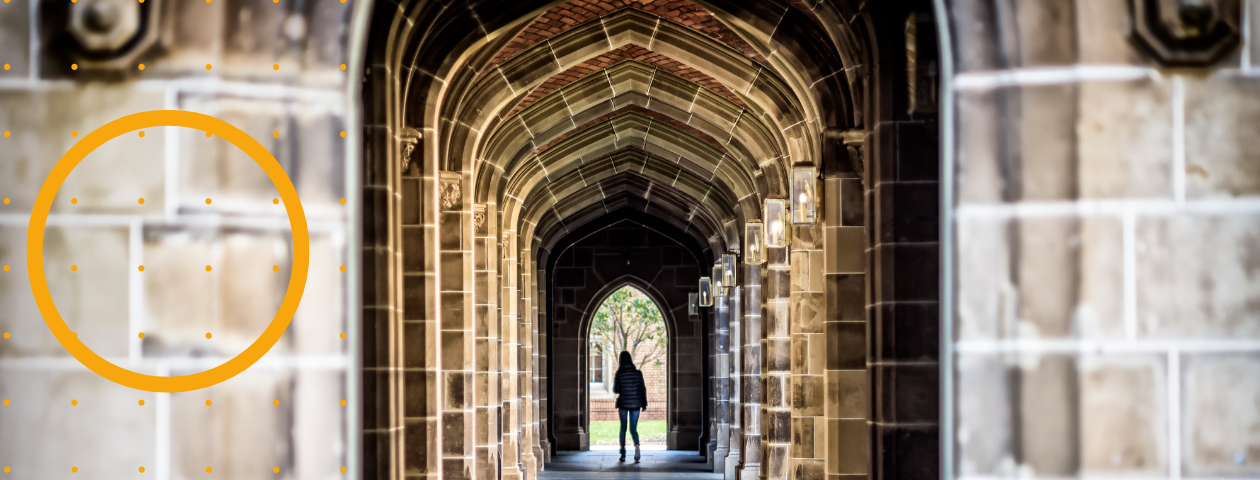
(449, 193)
(1187, 33)
(479, 219)
(409, 137)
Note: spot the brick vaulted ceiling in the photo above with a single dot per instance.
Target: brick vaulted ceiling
(560, 98)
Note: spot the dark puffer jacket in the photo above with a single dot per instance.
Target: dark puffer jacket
(632, 393)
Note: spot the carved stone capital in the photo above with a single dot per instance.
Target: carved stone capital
(449, 194)
(857, 159)
(1187, 33)
(409, 137)
(479, 218)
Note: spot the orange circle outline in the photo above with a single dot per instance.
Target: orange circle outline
(39, 219)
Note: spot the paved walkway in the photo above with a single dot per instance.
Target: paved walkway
(603, 465)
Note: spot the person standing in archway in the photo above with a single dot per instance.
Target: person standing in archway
(631, 399)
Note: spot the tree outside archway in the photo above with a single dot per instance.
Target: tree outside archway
(628, 320)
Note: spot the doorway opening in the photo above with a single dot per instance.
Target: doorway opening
(628, 320)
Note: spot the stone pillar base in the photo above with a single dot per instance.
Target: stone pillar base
(748, 472)
(513, 473)
(531, 470)
(709, 449)
(538, 455)
(546, 451)
(732, 462)
(719, 459)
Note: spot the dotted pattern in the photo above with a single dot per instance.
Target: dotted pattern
(141, 268)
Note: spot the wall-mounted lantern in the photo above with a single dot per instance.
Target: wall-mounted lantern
(754, 243)
(776, 223)
(728, 271)
(719, 286)
(804, 196)
(706, 292)
(693, 304)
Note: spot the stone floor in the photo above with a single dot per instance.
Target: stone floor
(603, 465)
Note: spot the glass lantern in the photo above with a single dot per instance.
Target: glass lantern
(728, 270)
(693, 304)
(776, 223)
(719, 287)
(754, 243)
(804, 196)
(706, 293)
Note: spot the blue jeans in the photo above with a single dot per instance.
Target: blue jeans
(634, 426)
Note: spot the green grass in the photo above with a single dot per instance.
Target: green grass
(604, 432)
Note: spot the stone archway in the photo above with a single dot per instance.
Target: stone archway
(644, 288)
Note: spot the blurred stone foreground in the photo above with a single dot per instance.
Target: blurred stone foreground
(1102, 261)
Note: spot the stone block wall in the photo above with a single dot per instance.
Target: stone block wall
(1105, 234)
(205, 204)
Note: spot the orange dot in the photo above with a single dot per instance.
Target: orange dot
(74, 201)
(208, 469)
(208, 66)
(275, 469)
(275, 403)
(6, 402)
(207, 401)
(343, 335)
(74, 133)
(207, 201)
(343, 1)
(343, 134)
(74, 403)
(343, 201)
(140, 268)
(207, 335)
(6, 268)
(74, 268)
(207, 268)
(6, 334)
(6, 469)
(207, 134)
(141, 469)
(141, 335)
(6, 200)
(343, 403)
(141, 403)
(275, 66)
(343, 469)
(343, 268)
(276, 134)
(6, 134)
(74, 469)
(74, 66)
(343, 67)
(275, 268)
(141, 200)
(141, 66)
(6, 66)
(141, 134)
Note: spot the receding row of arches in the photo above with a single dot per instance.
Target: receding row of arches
(525, 159)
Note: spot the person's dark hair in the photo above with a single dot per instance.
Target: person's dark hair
(626, 359)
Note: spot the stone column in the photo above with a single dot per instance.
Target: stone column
(708, 439)
(749, 467)
(848, 434)
(735, 439)
(778, 352)
(528, 413)
(536, 444)
(510, 360)
(486, 343)
(809, 350)
(721, 386)
(455, 234)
